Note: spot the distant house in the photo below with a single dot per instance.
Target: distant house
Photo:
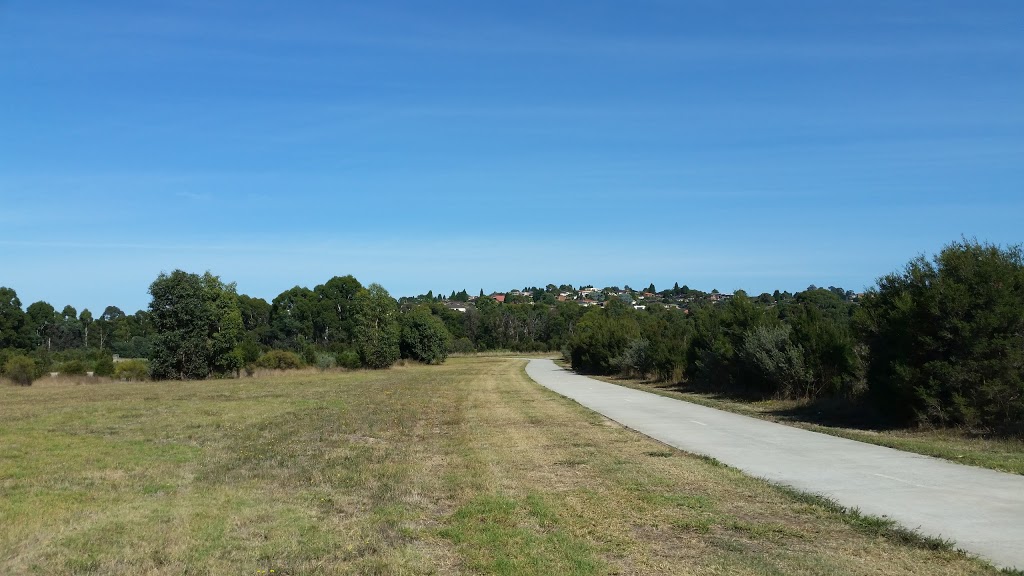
(458, 306)
(639, 307)
(498, 297)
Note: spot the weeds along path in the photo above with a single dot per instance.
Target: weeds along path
(980, 509)
(464, 468)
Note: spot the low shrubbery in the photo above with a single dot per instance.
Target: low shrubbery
(104, 366)
(325, 361)
(348, 359)
(20, 369)
(280, 360)
(73, 368)
(132, 370)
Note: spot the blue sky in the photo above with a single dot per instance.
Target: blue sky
(449, 145)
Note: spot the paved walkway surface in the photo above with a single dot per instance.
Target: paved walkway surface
(981, 510)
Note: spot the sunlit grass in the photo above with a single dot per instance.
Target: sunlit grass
(466, 468)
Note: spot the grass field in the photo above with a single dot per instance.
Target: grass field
(464, 468)
(965, 447)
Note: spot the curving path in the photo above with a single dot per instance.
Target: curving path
(981, 510)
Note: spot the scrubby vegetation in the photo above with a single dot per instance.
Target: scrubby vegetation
(20, 369)
(940, 343)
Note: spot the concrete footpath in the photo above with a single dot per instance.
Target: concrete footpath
(981, 510)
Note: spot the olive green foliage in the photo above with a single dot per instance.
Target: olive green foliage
(821, 327)
(325, 361)
(348, 359)
(198, 325)
(601, 336)
(636, 359)
(801, 348)
(132, 370)
(424, 336)
(769, 352)
(280, 360)
(73, 368)
(377, 328)
(104, 366)
(463, 346)
(20, 369)
(946, 338)
(12, 319)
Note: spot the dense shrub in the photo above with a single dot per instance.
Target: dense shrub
(104, 366)
(821, 327)
(424, 337)
(601, 336)
(280, 360)
(132, 370)
(72, 368)
(20, 369)
(463, 346)
(325, 361)
(348, 359)
(946, 339)
(776, 362)
(636, 359)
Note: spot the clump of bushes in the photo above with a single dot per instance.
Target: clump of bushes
(72, 368)
(280, 360)
(424, 337)
(463, 346)
(325, 361)
(348, 359)
(105, 366)
(132, 370)
(946, 339)
(20, 369)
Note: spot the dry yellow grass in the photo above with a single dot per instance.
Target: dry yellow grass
(464, 468)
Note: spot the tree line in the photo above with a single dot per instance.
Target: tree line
(940, 342)
(198, 326)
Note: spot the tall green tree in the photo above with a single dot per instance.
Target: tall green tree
(424, 336)
(334, 319)
(86, 320)
(377, 327)
(197, 324)
(12, 319)
(291, 318)
(40, 324)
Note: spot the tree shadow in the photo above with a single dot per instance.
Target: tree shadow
(833, 412)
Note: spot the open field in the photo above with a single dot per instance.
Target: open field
(468, 467)
(1003, 454)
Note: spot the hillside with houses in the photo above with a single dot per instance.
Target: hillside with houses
(678, 297)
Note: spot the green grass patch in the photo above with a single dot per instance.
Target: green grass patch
(502, 535)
